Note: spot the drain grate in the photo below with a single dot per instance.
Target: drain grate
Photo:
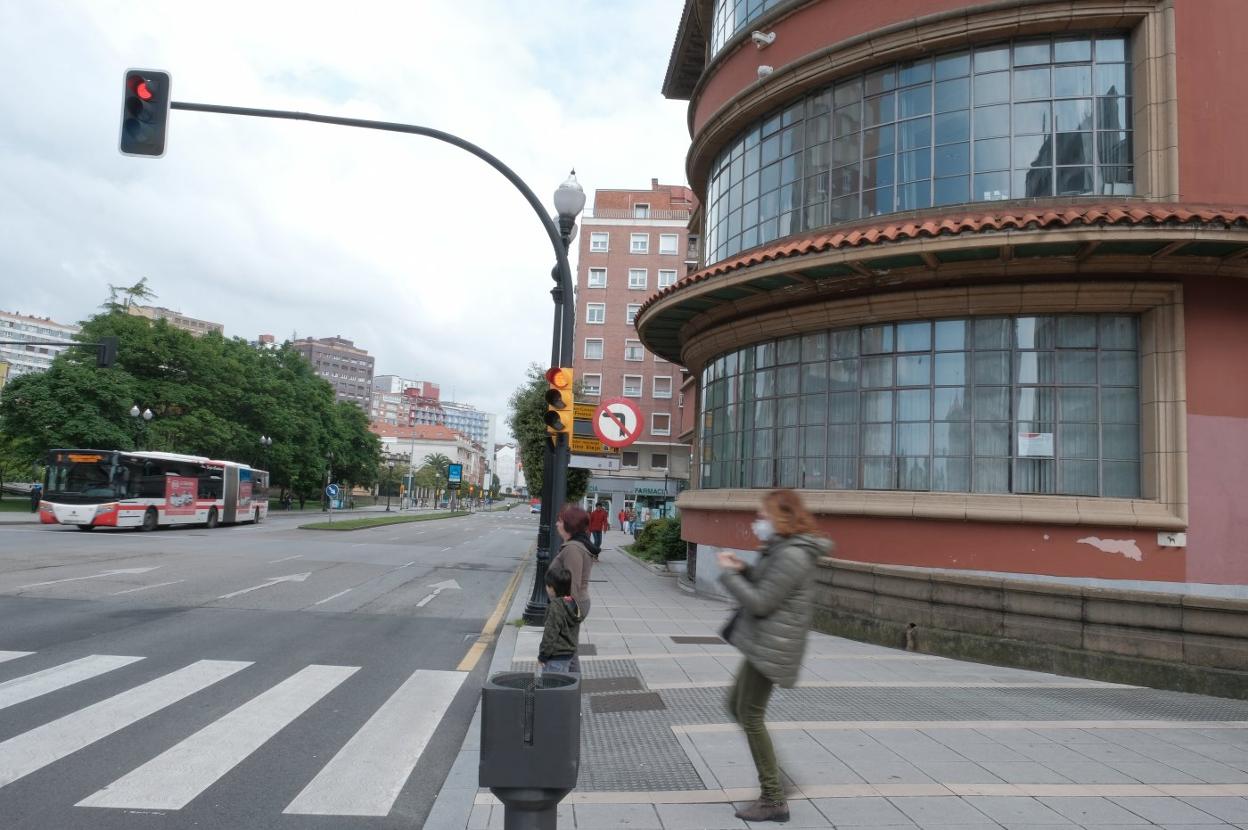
(601, 685)
(697, 641)
(627, 702)
(587, 649)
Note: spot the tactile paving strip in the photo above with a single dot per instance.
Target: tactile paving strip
(706, 705)
(627, 702)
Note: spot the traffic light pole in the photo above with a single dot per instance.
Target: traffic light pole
(555, 471)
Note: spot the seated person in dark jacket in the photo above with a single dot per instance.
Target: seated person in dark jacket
(563, 622)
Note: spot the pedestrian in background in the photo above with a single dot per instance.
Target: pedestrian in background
(598, 521)
(623, 519)
(577, 554)
(776, 599)
(36, 496)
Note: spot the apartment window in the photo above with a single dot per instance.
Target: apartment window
(596, 313)
(632, 386)
(638, 278)
(631, 315)
(667, 278)
(633, 350)
(593, 348)
(658, 461)
(598, 242)
(639, 243)
(641, 211)
(597, 278)
(630, 459)
(591, 384)
(662, 387)
(660, 423)
(668, 243)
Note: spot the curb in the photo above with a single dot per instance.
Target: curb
(452, 809)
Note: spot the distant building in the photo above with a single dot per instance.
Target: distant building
(347, 367)
(508, 468)
(175, 318)
(470, 421)
(415, 443)
(264, 341)
(23, 360)
(634, 243)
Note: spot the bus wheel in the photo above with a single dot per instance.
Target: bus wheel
(86, 527)
(257, 515)
(212, 517)
(150, 519)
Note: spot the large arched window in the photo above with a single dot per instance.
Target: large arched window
(1031, 118)
(1029, 404)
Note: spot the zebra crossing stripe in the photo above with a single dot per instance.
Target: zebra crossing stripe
(174, 778)
(34, 750)
(21, 689)
(5, 656)
(367, 774)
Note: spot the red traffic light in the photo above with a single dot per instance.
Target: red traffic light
(560, 378)
(143, 91)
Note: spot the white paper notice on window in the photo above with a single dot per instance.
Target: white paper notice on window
(1035, 445)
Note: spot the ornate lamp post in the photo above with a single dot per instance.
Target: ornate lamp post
(569, 201)
(142, 418)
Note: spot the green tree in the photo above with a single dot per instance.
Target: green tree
(528, 425)
(495, 485)
(209, 396)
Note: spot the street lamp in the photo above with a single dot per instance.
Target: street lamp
(389, 483)
(569, 202)
(265, 443)
(142, 419)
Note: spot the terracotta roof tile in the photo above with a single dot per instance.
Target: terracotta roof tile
(1026, 217)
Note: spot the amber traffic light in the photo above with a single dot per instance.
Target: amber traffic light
(559, 407)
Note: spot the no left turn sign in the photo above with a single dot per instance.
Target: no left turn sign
(617, 423)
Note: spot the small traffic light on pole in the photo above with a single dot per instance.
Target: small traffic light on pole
(559, 404)
(106, 352)
(145, 113)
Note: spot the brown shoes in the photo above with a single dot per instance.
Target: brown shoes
(765, 810)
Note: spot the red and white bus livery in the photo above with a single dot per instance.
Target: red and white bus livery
(110, 488)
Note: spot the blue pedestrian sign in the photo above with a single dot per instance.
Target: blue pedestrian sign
(331, 490)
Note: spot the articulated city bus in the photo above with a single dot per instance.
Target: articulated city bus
(111, 488)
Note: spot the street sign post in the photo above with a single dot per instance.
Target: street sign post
(617, 422)
(331, 495)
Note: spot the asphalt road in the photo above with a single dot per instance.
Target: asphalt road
(250, 676)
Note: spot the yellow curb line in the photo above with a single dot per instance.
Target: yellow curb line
(491, 625)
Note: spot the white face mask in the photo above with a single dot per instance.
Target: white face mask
(763, 529)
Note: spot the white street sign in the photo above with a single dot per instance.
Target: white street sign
(618, 422)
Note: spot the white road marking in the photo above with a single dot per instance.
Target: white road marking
(28, 687)
(34, 750)
(272, 581)
(438, 587)
(174, 778)
(145, 587)
(6, 656)
(444, 550)
(286, 558)
(335, 596)
(92, 576)
(408, 565)
(367, 774)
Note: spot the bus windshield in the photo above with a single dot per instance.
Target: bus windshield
(85, 477)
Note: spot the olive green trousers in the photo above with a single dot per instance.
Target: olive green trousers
(747, 703)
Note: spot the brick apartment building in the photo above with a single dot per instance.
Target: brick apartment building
(633, 243)
(347, 367)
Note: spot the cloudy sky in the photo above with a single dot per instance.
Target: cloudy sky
(415, 250)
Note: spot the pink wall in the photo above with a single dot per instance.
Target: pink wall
(1216, 331)
(1054, 550)
(1212, 87)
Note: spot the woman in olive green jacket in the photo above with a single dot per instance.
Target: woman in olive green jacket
(777, 604)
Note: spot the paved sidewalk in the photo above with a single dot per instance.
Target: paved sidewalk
(872, 737)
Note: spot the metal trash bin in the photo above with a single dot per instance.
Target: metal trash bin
(530, 744)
